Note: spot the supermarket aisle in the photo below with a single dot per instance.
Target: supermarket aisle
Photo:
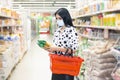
(35, 64)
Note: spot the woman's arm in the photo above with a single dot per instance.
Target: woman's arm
(52, 49)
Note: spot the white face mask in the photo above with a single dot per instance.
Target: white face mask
(60, 23)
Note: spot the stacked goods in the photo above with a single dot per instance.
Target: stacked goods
(6, 61)
(86, 6)
(115, 3)
(99, 62)
(97, 20)
(9, 46)
(9, 52)
(115, 51)
(43, 44)
(9, 22)
(106, 20)
(116, 72)
(109, 20)
(16, 51)
(117, 48)
(8, 12)
(117, 18)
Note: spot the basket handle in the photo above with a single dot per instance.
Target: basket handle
(66, 53)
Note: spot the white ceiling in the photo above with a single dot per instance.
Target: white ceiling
(40, 5)
(43, 0)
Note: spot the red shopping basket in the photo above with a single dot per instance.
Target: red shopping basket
(61, 64)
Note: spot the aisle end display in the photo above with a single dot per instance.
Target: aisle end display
(44, 23)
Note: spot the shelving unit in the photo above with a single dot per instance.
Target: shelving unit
(98, 12)
(7, 17)
(89, 37)
(99, 27)
(9, 51)
(12, 40)
(100, 16)
(85, 14)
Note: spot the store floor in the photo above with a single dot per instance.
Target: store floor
(35, 65)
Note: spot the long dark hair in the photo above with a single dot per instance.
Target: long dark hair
(64, 13)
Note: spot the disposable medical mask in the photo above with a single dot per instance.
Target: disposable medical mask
(60, 23)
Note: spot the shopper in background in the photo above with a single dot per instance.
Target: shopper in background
(65, 39)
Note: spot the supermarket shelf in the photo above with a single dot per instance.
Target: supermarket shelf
(99, 27)
(87, 36)
(74, 17)
(9, 17)
(98, 12)
(15, 65)
(4, 16)
(9, 69)
(9, 25)
(15, 18)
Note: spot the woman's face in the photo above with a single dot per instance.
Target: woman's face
(58, 17)
(59, 21)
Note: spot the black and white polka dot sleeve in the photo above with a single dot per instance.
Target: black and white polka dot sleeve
(73, 38)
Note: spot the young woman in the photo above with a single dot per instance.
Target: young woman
(65, 39)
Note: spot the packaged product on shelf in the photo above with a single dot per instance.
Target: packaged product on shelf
(108, 60)
(7, 59)
(0, 22)
(104, 21)
(115, 3)
(102, 6)
(100, 61)
(3, 11)
(98, 78)
(8, 12)
(117, 19)
(109, 4)
(116, 72)
(102, 73)
(115, 51)
(103, 66)
(95, 20)
(2, 49)
(112, 20)
(109, 20)
(94, 7)
(99, 69)
(18, 22)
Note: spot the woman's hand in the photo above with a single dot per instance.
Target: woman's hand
(51, 49)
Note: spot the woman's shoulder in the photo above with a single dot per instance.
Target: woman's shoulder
(57, 30)
(71, 28)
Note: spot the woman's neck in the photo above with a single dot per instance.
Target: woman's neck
(62, 29)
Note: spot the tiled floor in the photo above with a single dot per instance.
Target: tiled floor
(35, 64)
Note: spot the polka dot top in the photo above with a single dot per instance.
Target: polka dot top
(68, 38)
